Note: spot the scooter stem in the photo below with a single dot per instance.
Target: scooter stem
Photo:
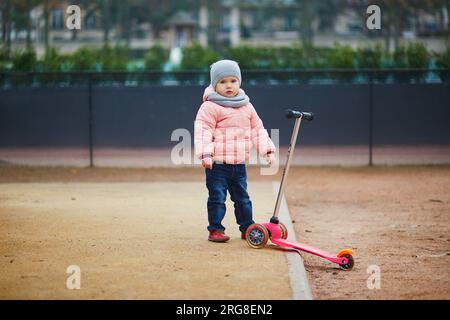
(290, 153)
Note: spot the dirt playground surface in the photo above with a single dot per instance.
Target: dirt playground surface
(130, 240)
(394, 218)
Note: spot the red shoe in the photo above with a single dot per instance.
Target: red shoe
(218, 236)
(243, 235)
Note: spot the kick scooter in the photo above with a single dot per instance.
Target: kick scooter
(258, 234)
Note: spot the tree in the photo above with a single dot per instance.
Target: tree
(6, 26)
(106, 19)
(439, 7)
(309, 12)
(46, 13)
(28, 6)
(395, 15)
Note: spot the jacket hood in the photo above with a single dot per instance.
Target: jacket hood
(208, 91)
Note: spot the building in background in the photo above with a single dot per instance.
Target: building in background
(218, 23)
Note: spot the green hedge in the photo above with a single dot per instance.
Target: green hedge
(371, 58)
(24, 60)
(196, 57)
(443, 59)
(156, 58)
(107, 58)
(443, 62)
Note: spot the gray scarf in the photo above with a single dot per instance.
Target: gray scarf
(234, 102)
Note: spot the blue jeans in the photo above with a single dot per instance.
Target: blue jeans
(219, 179)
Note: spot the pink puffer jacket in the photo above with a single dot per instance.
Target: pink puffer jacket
(228, 133)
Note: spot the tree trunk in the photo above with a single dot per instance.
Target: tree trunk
(28, 9)
(3, 12)
(126, 22)
(441, 19)
(46, 25)
(398, 29)
(387, 37)
(6, 27)
(119, 25)
(74, 36)
(106, 21)
(416, 22)
(307, 16)
(447, 7)
(203, 23)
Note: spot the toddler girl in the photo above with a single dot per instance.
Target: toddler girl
(225, 128)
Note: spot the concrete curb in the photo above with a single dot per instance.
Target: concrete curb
(297, 272)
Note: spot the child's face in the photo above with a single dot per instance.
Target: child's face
(228, 86)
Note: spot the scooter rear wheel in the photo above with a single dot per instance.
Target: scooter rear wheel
(257, 236)
(349, 265)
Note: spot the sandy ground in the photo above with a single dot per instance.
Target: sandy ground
(395, 218)
(131, 240)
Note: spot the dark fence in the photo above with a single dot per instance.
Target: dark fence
(104, 110)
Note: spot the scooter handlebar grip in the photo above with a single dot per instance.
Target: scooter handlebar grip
(309, 116)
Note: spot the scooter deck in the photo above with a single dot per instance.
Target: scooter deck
(276, 238)
(309, 249)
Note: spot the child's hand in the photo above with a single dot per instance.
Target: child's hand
(207, 163)
(270, 158)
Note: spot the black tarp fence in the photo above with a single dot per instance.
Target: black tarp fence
(94, 114)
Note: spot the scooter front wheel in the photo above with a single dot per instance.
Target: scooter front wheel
(257, 236)
(284, 232)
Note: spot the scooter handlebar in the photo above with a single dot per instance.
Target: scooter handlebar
(297, 114)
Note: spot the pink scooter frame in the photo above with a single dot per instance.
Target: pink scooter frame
(257, 235)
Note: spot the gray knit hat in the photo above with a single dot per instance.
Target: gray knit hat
(224, 68)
